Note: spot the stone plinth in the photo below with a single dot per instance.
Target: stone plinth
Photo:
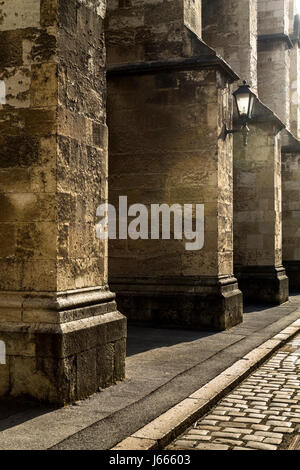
(204, 302)
(64, 336)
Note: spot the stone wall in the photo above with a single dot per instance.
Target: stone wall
(257, 201)
(64, 335)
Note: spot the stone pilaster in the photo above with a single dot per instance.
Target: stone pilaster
(275, 17)
(295, 80)
(230, 27)
(295, 91)
(291, 215)
(274, 43)
(257, 210)
(64, 336)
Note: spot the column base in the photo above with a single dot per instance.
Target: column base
(293, 273)
(208, 302)
(63, 347)
(263, 283)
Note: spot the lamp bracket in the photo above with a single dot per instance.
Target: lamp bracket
(244, 130)
(229, 131)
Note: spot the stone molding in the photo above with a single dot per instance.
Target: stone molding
(276, 37)
(198, 62)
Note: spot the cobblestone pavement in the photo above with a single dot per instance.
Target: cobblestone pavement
(262, 413)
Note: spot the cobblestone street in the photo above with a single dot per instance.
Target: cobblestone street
(263, 413)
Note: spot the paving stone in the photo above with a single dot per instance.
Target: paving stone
(252, 437)
(247, 420)
(272, 440)
(260, 427)
(211, 446)
(218, 418)
(182, 443)
(261, 446)
(256, 415)
(208, 427)
(198, 432)
(236, 413)
(238, 430)
(232, 435)
(232, 424)
(241, 448)
(202, 438)
(223, 408)
(278, 418)
(191, 437)
(210, 422)
(253, 410)
(230, 442)
(284, 430)
(269, 434)
(278, 423)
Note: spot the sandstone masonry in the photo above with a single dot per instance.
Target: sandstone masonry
(166, 93)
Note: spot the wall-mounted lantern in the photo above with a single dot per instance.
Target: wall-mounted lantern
(244, 99)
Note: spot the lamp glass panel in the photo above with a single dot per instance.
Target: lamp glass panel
(251, 106)
(243, 103)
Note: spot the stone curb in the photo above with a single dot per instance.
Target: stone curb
(162, 430)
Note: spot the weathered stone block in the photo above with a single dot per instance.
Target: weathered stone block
(263, 283)
(293, 273)
(87, 381)
(198, 303)
(66, 361)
